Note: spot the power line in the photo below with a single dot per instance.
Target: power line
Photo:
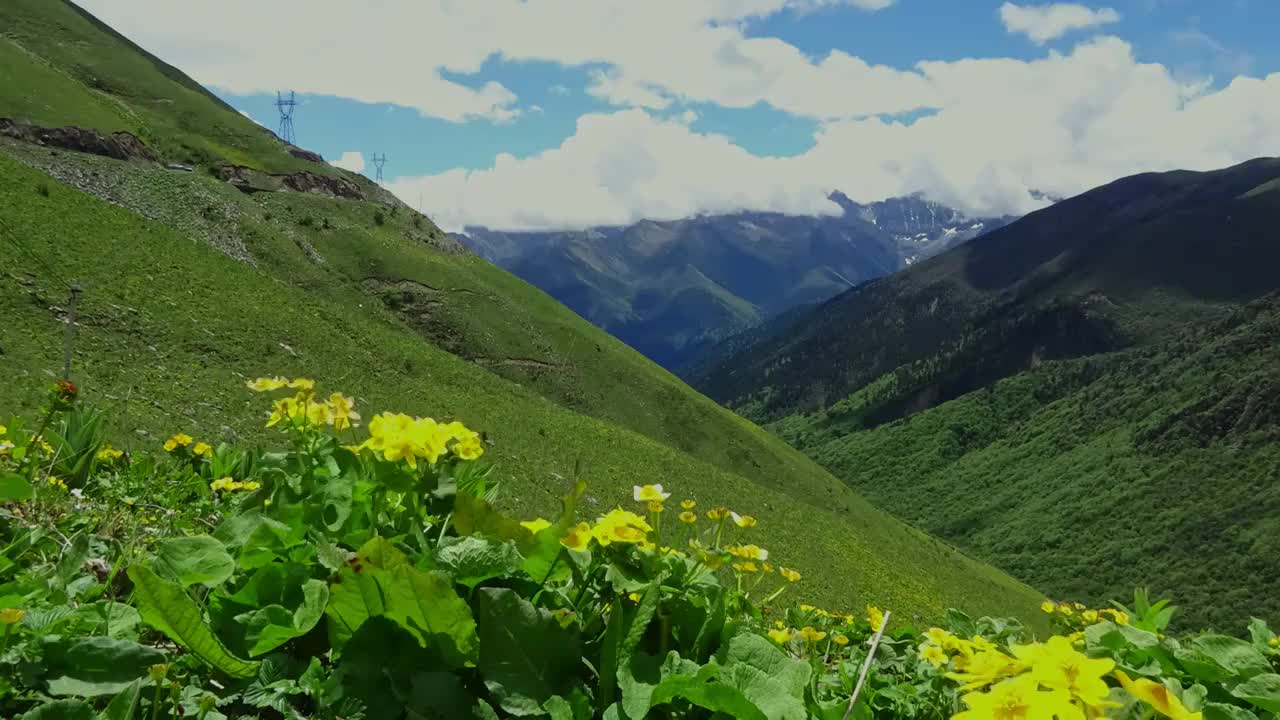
(378, 162)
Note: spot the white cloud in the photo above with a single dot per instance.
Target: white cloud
(425, 54)
(688, 117)
(616, 90)
(1060, 124)
(561, 90)
(1043, 23)
(351, 160)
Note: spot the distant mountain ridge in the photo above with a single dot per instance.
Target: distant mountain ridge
(673, 289)
(1116, 355)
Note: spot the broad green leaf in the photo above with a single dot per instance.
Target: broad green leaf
(124, 705)
(196, 560)
(440, 695)
(709, 694)
(61, 710)
(473, 560)
(766, 675)
(166, 607)
(641, 674)
(1222, 711)
(109, 618)
(1261, 690)
(1238, 657)
(90, 667)
(558, 708)
(1260, 634)
(274, 625)
(525, 656)
(376, 664)
(424, 603)
(14, 487)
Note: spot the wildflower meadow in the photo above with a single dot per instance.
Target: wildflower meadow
(360, 568)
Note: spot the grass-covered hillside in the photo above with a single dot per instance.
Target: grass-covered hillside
(264, 261)
(1154, 467)
(1085, 398)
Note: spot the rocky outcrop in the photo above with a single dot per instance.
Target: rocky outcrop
(305, 154)
(118, 145)
(251, 181)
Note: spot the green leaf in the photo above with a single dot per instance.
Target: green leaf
(109, 618)
(91, 667)
(1222, 711)
(1240, 658)
(525, 656)
(61, 710)
(439, 696)
(424, 603)
(558, 708)
(197, 560)
(711, 695)
(641, 674)
(14, 487)
(766, 675)
(274, 625)
(166, 607)
(125, 704)
(613, 633)
(1261, 690)
(1260, 634)
(473, 560)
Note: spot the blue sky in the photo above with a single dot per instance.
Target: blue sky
(562, 113)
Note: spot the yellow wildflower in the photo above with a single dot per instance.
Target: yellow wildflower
(684, 504)
(285, 409)
(536, 525)
(688, 518)
(985, 668)
(767, 567)
(1090, 616)
(789, 575)
(177, 441)
(304, 384)
(1059, 666)
(633, 597)
(840, 639)
(108, 454)
(1157, 696)
(1017, 698)
(811, 635)
(742, 521)
(12, 616)
(748, 552)
(621, 526)
(57, 482)
(577, 537)
(655, 506)
(4, 430)
(469, 449)
(318, 413)
(717, 514)
(746, 567)
(202, 449)
(780, 635)
(875, 616)
(265, 384)
(805, 608)
(649, 493)
(342, 411)
(1048, 606)
(934, 655)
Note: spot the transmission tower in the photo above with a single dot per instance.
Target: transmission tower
(285, 105)
(378, 162)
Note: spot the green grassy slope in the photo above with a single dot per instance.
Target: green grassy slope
(192, 286)
(1150, 467)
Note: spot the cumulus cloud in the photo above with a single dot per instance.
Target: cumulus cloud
(1060, 124)
(1043, 23)
(351, 160)
(425, 54)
